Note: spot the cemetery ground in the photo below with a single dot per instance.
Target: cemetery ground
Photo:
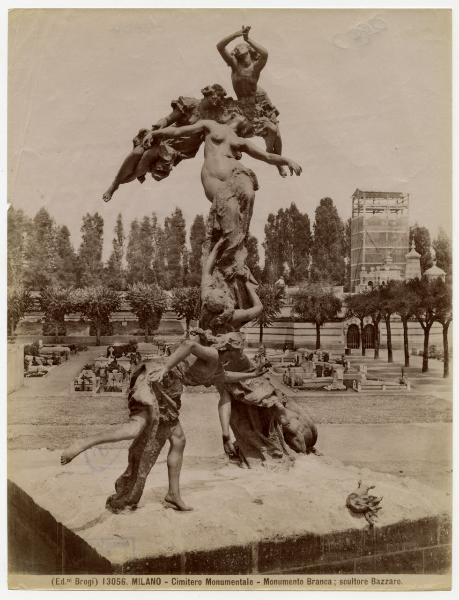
(407, 434)
(244, 521)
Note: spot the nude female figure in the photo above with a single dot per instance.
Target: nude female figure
(228, 184)
(159, 160)
(247, 61)
(222, 150)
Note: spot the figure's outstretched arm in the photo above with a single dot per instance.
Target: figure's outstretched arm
(205, 353)
(235, 376)
(273, 159)
(244, 315)
(176, 132)
(262, 52)
(221, 47)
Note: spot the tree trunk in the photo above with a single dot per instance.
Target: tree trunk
(187, 327)
(261, 334)
(361, 337)
(389, 340)
(12, 326)
(98, 332)
(406, 348)
(376, 327)
(425, 355)
(445, 349)
(317, 336)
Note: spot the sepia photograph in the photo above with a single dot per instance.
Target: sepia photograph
(229, 299)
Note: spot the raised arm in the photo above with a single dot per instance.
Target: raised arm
(221, 47)
(244, 315)
(262, 52)
(273, 159)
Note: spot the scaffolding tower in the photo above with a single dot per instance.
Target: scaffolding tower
(379, 228)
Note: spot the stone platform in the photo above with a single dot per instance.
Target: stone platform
(243, 521)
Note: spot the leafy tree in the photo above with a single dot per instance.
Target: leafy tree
(197, 239)
(422, 245)
(90, 252)
(357, 306)
(148, 302)
(186, 302)
(141, 252)
(133, 253)
(297, 243)
(66, 261)
(273, 250)
(114, 273)
(19, 230)
(328, 247)
(40, 253)
(186, 265)
(147, 274)
(253, 257)
(444, 315)
(442, 246)
(287, 244)
(19, 302)
(271, 298)
(56, 302)
(373, 299)
(97, 303)
(159, 259)
(404, 303)
(426, 309)
(388, 299)
(314, 304)
(175, 237)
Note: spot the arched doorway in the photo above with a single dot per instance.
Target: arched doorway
(353, 337)
(368, 336)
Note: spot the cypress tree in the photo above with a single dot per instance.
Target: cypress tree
(90, 252)
(197, 238)
(328, 248)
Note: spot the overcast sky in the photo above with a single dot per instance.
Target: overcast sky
(371, 112)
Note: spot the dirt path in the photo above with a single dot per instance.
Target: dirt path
(57, 381)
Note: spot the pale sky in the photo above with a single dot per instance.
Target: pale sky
(371, 113)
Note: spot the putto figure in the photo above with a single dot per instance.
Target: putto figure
(247, 60)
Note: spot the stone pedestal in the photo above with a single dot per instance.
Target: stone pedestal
(243, 521)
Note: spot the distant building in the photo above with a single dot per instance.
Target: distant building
(413, 263)
(379, 238)
(434, 272)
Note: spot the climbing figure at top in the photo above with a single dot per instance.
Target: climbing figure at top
(247, 60)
